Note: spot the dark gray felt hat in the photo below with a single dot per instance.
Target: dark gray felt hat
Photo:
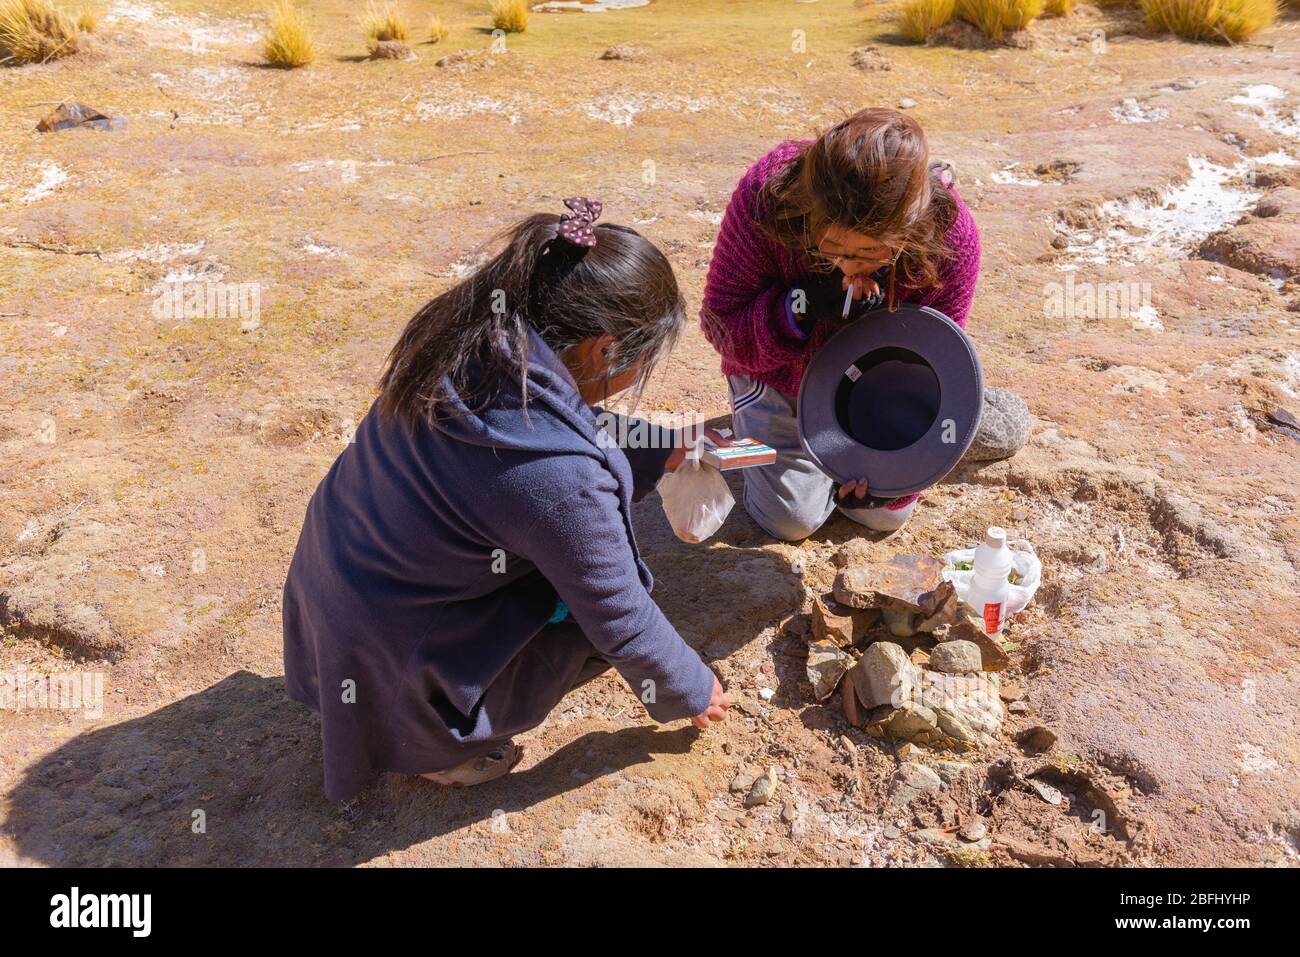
(893, 398)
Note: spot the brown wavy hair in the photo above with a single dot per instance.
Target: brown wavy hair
(870, 173)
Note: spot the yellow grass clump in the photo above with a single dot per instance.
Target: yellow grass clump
(383, 24)
(919, 17)
(87, 20)
(33, 31)
(437, 30)
(1058, 8)
(287, 43)
(995, 18)
(1225, 21)
(510, 15)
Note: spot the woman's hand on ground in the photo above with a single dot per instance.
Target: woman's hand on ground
(717, 709)
(857, 487)
(687, 438)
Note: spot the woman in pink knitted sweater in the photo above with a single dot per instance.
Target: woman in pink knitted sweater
(860, 208)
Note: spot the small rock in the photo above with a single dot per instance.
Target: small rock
(1018, 707)
(838, 624)
(622, 51)
(870, 59)
(389, 50)
(1045, 791)
(71, 116)
(956, 657)
(975, 830)
(992, 655)
(955, 728)
(885, 676)
(827, 664)
(892, 833)
(911, 722)
(906, 103)
(776, 848)
(932, 835)
(787, 812)
(960, 34)
(743, 781)
(762, 790)
(946, 614)
(1004, 426)
(910, 781)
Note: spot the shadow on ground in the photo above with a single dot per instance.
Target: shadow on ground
(249, 759)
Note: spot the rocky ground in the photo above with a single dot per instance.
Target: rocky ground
(154, 469)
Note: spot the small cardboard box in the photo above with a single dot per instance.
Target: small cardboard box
(741, 454)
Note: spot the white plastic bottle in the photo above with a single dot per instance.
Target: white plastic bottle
(989, 587)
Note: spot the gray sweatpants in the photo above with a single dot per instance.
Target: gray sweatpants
(791, 498)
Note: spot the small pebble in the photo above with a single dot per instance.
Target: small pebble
(762, 790)
(743, 781)
(974, 830)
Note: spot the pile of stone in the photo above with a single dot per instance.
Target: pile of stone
(907, 661)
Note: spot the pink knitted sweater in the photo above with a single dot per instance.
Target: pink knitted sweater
(744, 296)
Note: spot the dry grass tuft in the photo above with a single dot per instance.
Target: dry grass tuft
(919, 17)
(438, 30)
(510, 15)
(1223, 21)
(33, 31)
(995, 18)
(287, 43)
(383, 24)
(1058, 8)
(87, 20)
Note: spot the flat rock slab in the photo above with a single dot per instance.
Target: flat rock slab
(905, 583)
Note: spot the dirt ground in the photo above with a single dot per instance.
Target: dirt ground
(154, 470)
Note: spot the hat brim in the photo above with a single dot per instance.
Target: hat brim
(894, 398)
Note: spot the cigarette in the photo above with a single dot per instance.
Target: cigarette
(848, 303)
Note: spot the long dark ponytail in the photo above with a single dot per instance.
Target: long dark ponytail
(472, 340)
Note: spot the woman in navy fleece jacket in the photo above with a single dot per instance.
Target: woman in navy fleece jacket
(470, 557)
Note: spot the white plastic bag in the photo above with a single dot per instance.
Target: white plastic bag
(1026, 563)
(696, 498)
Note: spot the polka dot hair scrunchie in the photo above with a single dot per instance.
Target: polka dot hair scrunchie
(579, 228)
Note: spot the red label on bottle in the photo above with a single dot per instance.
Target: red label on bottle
(992, 617)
